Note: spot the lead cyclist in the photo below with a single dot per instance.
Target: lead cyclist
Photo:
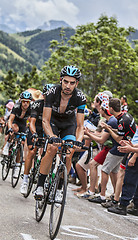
(63, 119)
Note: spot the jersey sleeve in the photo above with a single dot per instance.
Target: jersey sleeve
(49, 97)
(15, 109)
(121, 130)
(34, 109)
(81, 99)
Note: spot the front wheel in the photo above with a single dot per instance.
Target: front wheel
(58, 203)
(6, 163)
(16, 168)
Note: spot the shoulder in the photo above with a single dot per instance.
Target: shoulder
(36, 104)
(53, 90)
(80, 94)
(17, 106)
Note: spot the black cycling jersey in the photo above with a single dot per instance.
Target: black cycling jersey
(77, 101)
(126, 126)
(17, 111)
(21, 122)
(37, 111)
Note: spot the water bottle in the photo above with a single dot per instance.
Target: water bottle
(53, 174)
(38, 160)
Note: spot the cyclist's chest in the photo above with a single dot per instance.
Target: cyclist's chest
(63, 107)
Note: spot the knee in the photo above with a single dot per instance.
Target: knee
(93, 164)
(51, 149)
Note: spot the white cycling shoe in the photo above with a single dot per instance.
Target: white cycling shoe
(24, 188)
(39, 193)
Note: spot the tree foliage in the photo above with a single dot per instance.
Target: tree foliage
(104, 56)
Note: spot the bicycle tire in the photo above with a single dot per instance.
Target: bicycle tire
(30, 184)
(32, 180)
(40, 206)
(54, 227)
(14, 180)
(6, 164)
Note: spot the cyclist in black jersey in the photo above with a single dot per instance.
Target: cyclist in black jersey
(19, 115)
(63, 118)
(35, 131)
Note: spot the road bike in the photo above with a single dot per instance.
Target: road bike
(33, 175)
(14, 160)
(54, 191)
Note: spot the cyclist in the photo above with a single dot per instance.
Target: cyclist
(19, 115)
(36, 130)
(63, 118)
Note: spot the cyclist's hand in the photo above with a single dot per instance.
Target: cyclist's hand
(77, 144)
(34, 137)
(56, 141)
(10, 131)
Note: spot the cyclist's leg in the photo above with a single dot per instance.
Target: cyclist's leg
(28, 164)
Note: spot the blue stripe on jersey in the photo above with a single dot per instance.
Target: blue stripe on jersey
(69, 137)
(81, 107)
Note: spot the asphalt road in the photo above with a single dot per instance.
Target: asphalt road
(82, 219)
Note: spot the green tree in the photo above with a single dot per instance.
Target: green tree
(105, 57)
(10, 85)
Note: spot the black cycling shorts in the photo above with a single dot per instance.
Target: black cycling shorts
(29, 141)
(22, 127)
(64, 128)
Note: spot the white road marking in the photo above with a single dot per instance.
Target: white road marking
(78, 234)
(27, 237)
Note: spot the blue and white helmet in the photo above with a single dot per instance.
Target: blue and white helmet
(26, 95)
(71, 71)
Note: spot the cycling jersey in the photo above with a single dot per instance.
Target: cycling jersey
(126, 126)
(64, 124)
(77, 101)
(21, 122)
(37, 112)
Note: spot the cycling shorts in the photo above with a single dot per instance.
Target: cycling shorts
(29, 141)
(64, 128)
(22, 127)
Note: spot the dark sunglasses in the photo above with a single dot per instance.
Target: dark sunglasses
(25, 101)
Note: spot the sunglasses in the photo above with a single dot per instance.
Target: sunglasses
(25, 101)
(71, 83)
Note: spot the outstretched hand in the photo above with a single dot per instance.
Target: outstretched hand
(126, 146)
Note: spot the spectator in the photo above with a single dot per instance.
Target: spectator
(126, 130)
(81, 168)
(130, 186)
(124, 105)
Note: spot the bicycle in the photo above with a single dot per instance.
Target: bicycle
(33, 176)
(52, 191)
(10, 161)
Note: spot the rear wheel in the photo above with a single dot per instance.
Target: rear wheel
(16, 168)
(58, 203)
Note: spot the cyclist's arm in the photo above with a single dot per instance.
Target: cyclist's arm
(46, 121)
(32, 125)
(10, 121)
(80, 127)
